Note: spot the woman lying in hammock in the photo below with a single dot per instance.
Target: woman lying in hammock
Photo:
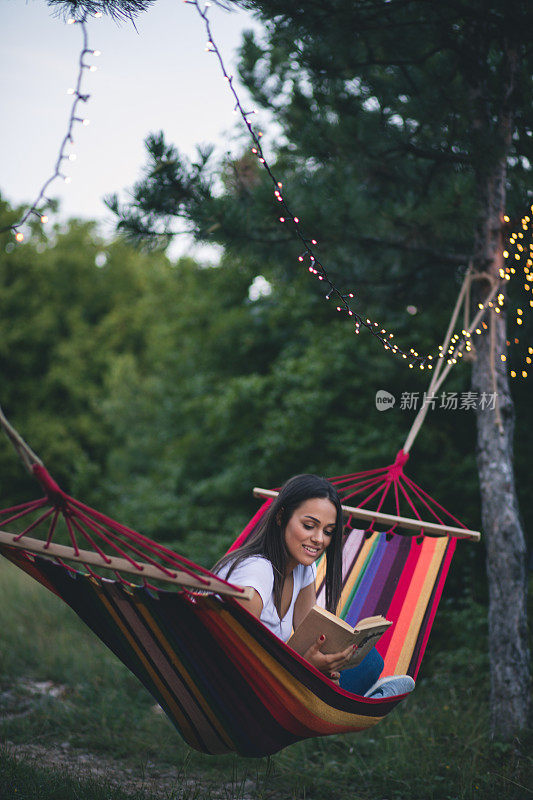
(278, 563)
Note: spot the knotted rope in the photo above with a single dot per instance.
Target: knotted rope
(24, 451)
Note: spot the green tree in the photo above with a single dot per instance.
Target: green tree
(247, 392)
(63, 323)
(408, 130)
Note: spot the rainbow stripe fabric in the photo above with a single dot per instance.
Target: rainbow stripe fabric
(401, 579)
(226, 682)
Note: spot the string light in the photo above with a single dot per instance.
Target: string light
(315, 266)
(79, 98)
(517, 250)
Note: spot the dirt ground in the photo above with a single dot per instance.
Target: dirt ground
(156, 781)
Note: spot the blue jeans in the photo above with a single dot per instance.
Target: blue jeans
(359, 679)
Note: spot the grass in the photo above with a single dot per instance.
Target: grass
(434, 747)
(24, 780)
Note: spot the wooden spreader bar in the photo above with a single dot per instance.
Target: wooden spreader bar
(388, 519)
(178, 578)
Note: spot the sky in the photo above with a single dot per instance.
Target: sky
(158, 77)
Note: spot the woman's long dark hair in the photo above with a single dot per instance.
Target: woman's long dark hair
(268, 539)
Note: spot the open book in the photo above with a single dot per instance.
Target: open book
(339, 634)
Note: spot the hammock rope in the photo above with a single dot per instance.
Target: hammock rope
(437, 378)
(24, 451)
(98, 530)
(443, 522)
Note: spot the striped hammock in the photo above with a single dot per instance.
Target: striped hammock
(225, 681)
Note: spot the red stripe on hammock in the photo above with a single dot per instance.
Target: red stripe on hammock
(251, 525)
(436, 600)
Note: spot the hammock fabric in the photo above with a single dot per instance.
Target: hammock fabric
(225, 681)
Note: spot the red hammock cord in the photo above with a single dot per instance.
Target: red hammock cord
(380, 481)
(97, 529)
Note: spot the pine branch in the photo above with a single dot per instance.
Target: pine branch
(456, 259)
(433, 154)
(117, 9)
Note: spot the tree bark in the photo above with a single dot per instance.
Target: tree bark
(504, 536)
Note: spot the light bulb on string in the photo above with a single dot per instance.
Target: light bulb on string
(68, 138)
(322, 273)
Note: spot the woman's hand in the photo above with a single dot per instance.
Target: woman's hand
(328, 663)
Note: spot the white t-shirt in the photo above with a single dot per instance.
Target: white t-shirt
(257, 572)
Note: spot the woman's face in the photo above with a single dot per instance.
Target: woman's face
(309, 531)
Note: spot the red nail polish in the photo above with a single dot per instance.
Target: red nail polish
(322, 637)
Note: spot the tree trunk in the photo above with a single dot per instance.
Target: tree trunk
(504, 537)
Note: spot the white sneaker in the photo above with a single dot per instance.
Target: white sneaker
(391, 685)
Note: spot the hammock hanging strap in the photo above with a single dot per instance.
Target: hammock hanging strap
(437, 378)
(24, 451)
